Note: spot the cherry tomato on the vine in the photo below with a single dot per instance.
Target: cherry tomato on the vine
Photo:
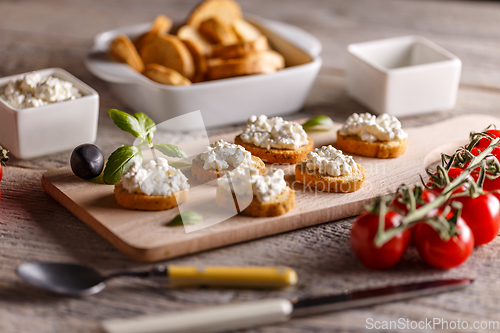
(444, 254)
(362, 238)
(482, 215)
(453, 173)
(1, 172)
(484, 142)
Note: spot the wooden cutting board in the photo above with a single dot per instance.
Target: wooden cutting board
(144, 236)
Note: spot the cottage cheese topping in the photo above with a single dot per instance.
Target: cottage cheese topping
(33, 90)
(274, 133)
(154, 177)
(221, 155)
(248, 181)
(371, 128)
(330, 161)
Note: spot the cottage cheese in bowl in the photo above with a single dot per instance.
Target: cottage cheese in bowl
(33, 90)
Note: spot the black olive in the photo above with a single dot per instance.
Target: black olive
(87, 161)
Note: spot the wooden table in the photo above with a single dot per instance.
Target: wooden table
(33, 227)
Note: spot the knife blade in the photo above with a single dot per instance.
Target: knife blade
(277, 310)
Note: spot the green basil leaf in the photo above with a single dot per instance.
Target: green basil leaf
(170, 150)
(147, 123)
(127, 123)
(188, 217)
(119, 161)
(321, 122)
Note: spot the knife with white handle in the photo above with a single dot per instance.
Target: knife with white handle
(228, 317)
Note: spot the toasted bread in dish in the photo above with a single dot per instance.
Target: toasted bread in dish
(325, 183)
(253, 63)
(121, 49)
(140, 201)
(275, 155)
(379, 149)
(168, 51)
(204, 176)
(245, 31)
(226, 11)
(160, 26)
(164, 75)
(279, 205)
(217, 32)
(240, 49)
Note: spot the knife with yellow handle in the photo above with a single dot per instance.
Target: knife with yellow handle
(79, 280)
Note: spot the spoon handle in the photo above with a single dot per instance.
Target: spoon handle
(232, 276)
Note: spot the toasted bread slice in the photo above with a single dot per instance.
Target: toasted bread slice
(226, 11)
(379, 149)
(275, 155)
(140, 201)
(253, 63)
(160, 26)
(241, 49)
(168, 51)
(188, 33)
(121, 49)
(204, 176)
(217, 32)
(279, 205)
(340, 184)
(245, 31)
(164, 75)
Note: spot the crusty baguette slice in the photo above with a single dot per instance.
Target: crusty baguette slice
(140, 201)
(160, 26)
(379, 149)
(168, 51)
(226, 11)
(281, 204)
(245, 31)
(241, 49)
(253, 63)
(204, 176)
(217, 32)
(279, 156)
(121, 49)
(164, 75)
(187, 32)
(340, 184)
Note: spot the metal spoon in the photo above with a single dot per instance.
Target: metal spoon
(79, 280)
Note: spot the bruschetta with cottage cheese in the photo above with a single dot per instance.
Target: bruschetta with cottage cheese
(254, 194)
(327, 169)
(275, 140)
(372, 136)
(154, 185)
(220, 157)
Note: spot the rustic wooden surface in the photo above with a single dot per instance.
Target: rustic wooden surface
(33, 227)
(144, 236)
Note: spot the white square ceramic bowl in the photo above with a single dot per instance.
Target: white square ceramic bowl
(403, 76)
(52, 128)
(221, 102)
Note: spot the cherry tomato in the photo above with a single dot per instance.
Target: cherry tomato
(453, 173)
(484, 142)
(426, 197)
(438, 253)
(482, 215)
(362, 238)
(1, 172)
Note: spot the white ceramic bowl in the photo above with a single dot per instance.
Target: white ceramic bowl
(51, 128)
(221, 102)
(403, 75)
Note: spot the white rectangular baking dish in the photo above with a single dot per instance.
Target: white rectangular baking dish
(221, 102)
(52, 128)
